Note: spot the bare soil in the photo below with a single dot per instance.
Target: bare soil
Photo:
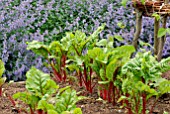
(88, 106)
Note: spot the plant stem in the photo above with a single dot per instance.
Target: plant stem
(114, 97)
(136, 105)
(144, 103)
(56, 74)
(39, 111)
(63, 66)
(0, 91)
(85, 77)
(90, 84)
(110, 92)
(80, 76)
(31, 110)
(128, 105)
(105, 94)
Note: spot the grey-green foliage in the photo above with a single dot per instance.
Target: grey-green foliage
(40, 91)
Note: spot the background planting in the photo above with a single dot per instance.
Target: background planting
(48, 20)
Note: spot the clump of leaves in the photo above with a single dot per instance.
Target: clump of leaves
(2, 79)
(107, 62)
(55, 54)
(40, 91)
(70, 49)
(80, 44)
(141, 79)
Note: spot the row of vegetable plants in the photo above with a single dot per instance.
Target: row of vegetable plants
(43, 95)
(120, 78)
(131, 81)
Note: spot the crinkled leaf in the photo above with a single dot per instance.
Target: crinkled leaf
(39, 83)
(45, 106)
(164, 87)
(66, 101)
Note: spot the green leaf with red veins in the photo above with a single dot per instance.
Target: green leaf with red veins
(39, 83)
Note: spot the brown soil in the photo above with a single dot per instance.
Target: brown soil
(88, 106)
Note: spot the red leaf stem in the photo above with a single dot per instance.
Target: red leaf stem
(80, 76)
(113, 98)
(63, 60)
(110, 92)
(31, 110)
(39, 111)
(0, 91)
(128, 105)
(136, 105)
(105, 94)
(144, 103)
(57, 75)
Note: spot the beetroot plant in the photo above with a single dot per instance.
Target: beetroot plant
(68, 49)
(107, 62)
(42, 95)
(80, 44)
(2, 80)
(141, 79)
(55, 54)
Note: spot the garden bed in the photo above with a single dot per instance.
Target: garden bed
(88, 106)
